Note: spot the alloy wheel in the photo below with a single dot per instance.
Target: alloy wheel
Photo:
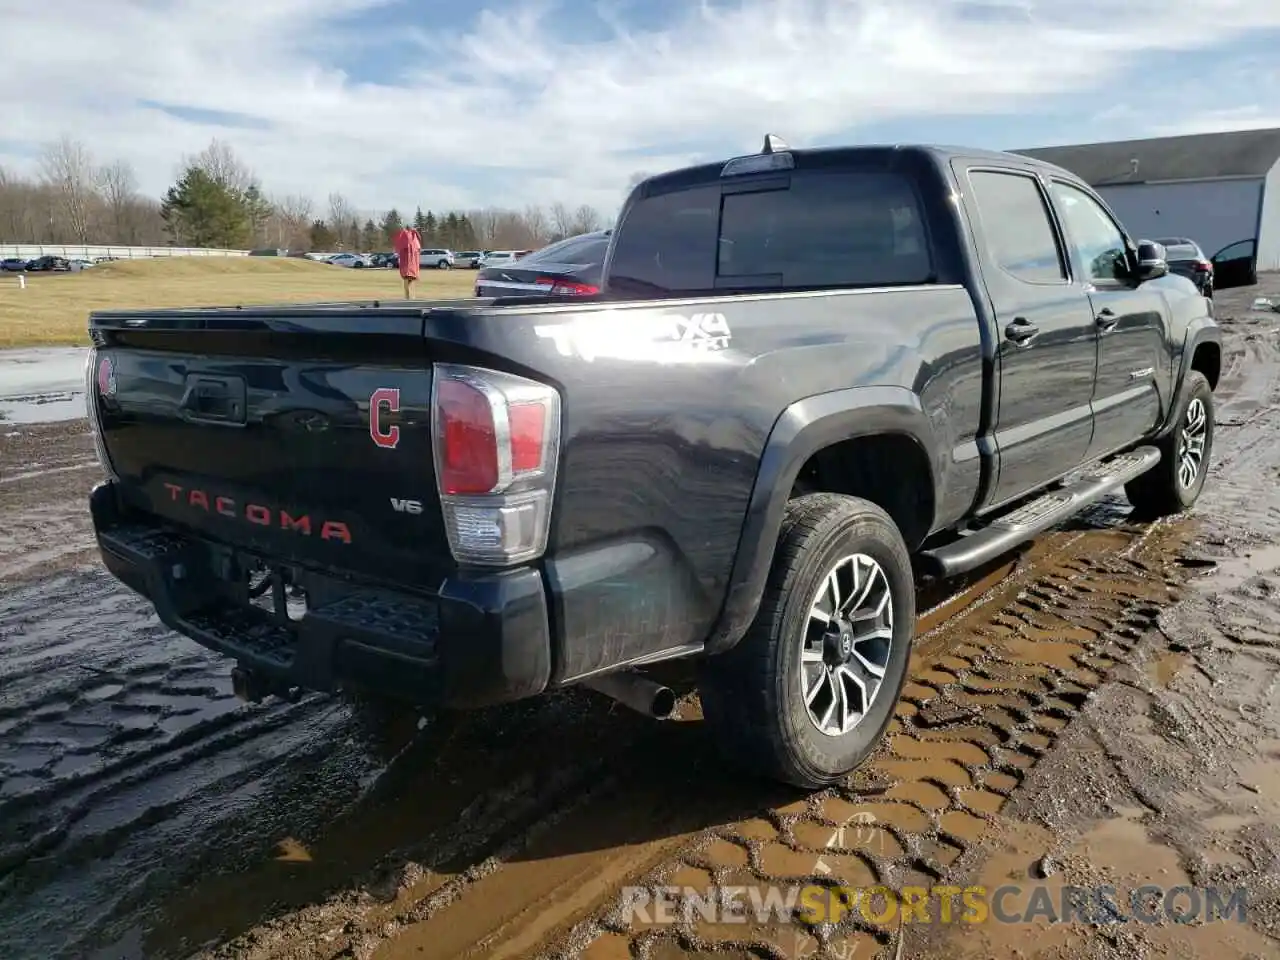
(1191, 443)
(847, 640)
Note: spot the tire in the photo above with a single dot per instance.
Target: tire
(1164, 489)
(753, 695)
(442, 265)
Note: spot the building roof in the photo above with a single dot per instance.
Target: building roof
(1203, 156)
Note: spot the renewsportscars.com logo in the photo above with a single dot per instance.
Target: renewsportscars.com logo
(880, 905)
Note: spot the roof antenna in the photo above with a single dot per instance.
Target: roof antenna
(773, 143)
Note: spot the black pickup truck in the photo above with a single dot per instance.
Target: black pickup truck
(811, 377)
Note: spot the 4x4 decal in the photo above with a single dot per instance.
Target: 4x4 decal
(628, 336)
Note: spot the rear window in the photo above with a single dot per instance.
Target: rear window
(584, 250)
(827, 229)
(1181, 251)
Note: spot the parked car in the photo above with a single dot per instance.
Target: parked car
(572, 267)
(809, 375)
(499, 258)
(49, 264)
(1186, 259)
(383, 260)
(1236, 265)
(353, 260)
(469, 259)
(437, 258)
(13, 265)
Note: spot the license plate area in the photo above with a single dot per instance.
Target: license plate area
(278, 589)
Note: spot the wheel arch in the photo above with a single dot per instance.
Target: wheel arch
(838, 442)
(1202, 351)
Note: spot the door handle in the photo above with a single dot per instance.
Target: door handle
(1021, 330)
(1106, 319)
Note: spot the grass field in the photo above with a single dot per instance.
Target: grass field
(54, 308)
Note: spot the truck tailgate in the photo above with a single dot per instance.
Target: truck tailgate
(305, 436)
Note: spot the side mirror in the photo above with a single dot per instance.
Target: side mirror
(1152, 261)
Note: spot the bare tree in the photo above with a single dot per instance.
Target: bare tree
(561, 219)
(485, 224)
(17, 206)
(535, 220)
(585, 219)
(291, 222)
(118, 186)
(340, 216)
(222, 166)
(67, 168)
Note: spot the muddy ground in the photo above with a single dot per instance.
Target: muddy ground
(1103, 708)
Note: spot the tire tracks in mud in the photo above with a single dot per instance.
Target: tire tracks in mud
(976, 715)
(46, 472)
(971, 723)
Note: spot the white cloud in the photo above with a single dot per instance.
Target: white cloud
(553, 116)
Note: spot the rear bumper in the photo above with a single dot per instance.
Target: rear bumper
(472, 642)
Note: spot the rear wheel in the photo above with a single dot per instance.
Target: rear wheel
(1174, 484)
(805, 695)
(442, 265)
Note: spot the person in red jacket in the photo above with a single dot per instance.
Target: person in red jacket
(408, 246)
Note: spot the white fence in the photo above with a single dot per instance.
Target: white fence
(29, 251)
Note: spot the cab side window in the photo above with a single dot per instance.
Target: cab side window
(1092, 233)
(1015, 222)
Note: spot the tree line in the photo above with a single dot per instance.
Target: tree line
(218, 201)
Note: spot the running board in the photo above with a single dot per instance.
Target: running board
(1033, 518)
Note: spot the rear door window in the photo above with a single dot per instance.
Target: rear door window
(821, 230)
(1019, 235)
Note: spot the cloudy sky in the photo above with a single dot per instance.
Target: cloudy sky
(453, 103)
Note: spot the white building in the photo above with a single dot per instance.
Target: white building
(1219, 189)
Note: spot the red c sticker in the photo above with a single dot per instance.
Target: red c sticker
(388, 397)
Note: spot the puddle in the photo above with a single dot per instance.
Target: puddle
(1167, 666)
(43, 385)
(42, 408)
(1235, 571)
(1119, 853)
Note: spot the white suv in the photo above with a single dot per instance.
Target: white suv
(440, 259)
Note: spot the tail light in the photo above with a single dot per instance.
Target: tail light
(567, 288)
(1203, 266)
(496, 446)
(99, 381)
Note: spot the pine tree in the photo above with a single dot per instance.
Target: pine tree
(391, 225)
(466, 233)
(199, 211)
